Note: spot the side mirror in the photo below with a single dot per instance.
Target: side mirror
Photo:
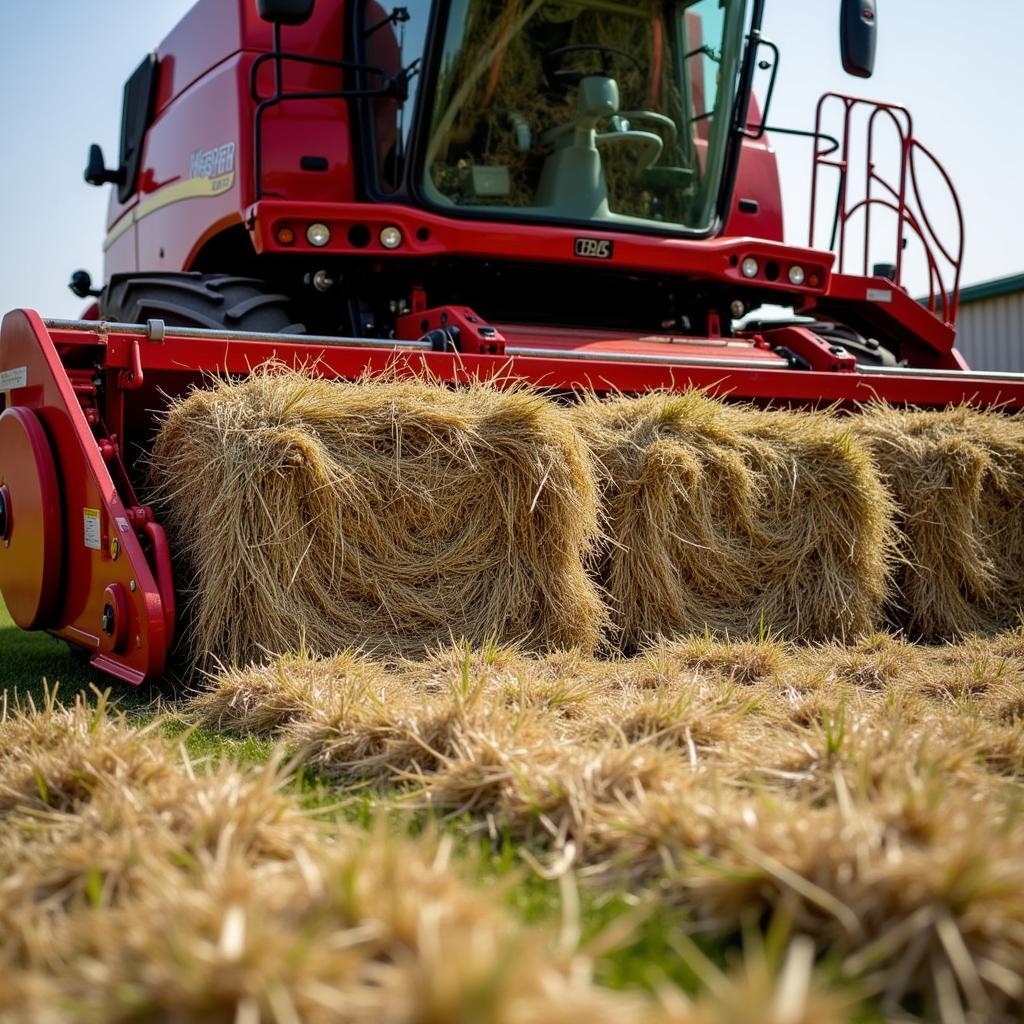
(285, 12)
(81, 285)
(857, 29)
(97, 172)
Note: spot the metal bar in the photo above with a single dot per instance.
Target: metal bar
(101, 327)
(105, 327)
(599, 356)
(953, 375)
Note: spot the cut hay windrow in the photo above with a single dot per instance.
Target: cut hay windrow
(735, 520)
(866, 793)
(390, 514)
(207, 894)
(957, 477)
(395, 514)
(54, 757)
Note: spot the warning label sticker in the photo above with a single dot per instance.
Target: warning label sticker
(11, 379)
(91, 517)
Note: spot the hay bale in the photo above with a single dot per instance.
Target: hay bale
(957, 477)
(729, 519)
(383, 513)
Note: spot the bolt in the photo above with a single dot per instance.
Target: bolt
(322, 281)
(132, 586)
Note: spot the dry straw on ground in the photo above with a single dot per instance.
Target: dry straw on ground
(868, 793)
(199, 892)
(386, 513)
(957, 477)
(731, 519)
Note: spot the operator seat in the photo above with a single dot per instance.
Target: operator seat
(572, 182)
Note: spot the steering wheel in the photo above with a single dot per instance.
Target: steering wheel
(564, 77)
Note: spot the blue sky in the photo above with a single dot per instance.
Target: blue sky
(63, 64)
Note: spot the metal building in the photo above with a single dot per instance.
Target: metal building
(990, 324)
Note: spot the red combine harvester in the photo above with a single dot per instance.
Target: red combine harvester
(576, 193)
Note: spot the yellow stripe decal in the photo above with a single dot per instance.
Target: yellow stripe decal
(190, 188)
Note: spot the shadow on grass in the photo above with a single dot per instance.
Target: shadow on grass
(27, 659)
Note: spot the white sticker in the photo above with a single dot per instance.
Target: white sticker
(11, 379)
(122, 524)
(91, 517)
(879, 295)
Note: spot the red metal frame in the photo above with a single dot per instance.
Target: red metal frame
(60, 391)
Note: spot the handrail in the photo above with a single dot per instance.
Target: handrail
(904, 199)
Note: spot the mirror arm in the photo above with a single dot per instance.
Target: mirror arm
(758, 131)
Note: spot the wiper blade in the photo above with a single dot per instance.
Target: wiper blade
(711, 54)
(400, 83)
(396, 17)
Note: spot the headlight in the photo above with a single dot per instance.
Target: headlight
(390, 237)
(796, 275)
(318, 235)
(749, 267)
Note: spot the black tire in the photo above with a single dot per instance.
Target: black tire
(214, 301)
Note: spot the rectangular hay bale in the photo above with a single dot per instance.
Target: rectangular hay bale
(957, 478)
(729, 519)
(391, 514)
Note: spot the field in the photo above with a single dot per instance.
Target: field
(431, 763)
(707, 831)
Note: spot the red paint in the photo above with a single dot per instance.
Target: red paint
(819, 353)
(757, 179)
(426, 233)
(900, 196)
(91, 398)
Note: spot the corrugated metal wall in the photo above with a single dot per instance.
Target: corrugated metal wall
(990, 332)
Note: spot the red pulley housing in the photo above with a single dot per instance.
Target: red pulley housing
(31, 521)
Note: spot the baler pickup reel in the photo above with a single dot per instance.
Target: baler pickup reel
(85, 559)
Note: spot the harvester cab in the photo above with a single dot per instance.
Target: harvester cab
(578, 194)
(527, 161)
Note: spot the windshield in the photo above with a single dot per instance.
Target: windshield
(584, 110)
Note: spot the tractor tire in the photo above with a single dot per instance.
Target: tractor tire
(213, 301)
